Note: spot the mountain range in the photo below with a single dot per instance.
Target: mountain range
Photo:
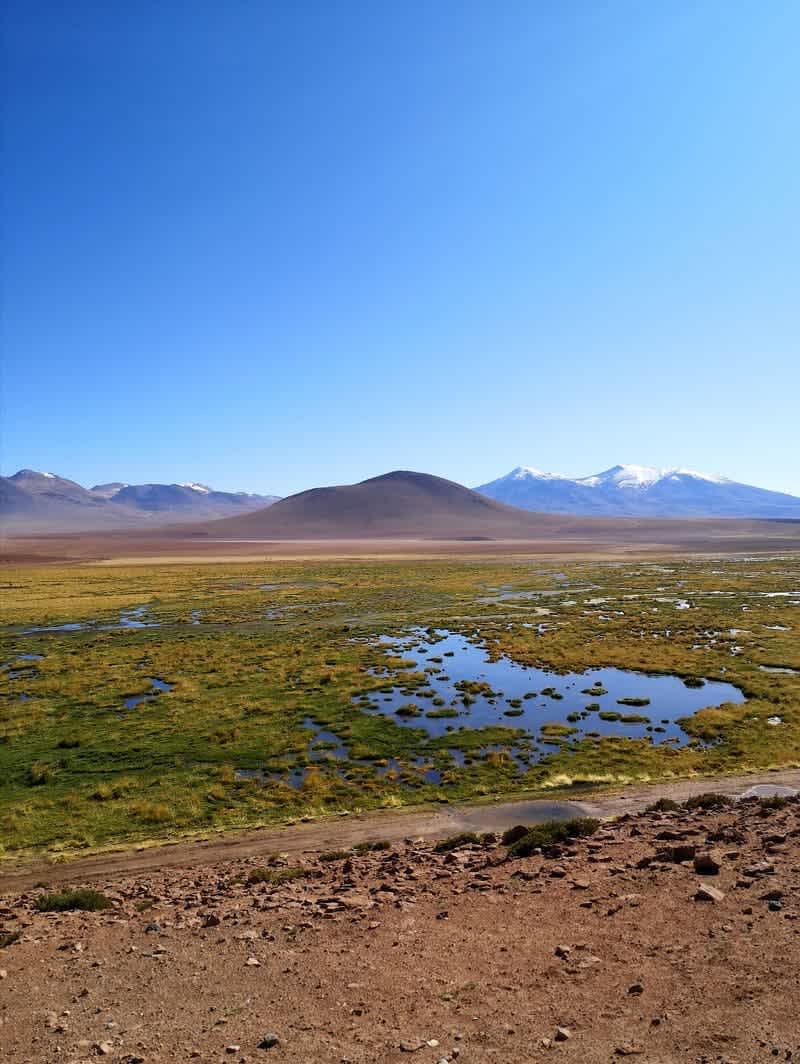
(398, 504)
(639, 491)
(33, 501)
(409, 506)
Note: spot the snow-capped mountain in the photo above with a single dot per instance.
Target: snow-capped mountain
(36, 501)
(639, 491)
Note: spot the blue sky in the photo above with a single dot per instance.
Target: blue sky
(274, 245)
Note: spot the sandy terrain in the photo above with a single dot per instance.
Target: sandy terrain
(155, 548)
(664, 937)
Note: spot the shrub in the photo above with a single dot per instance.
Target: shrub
(83, 899)
(335, 855)
(455, 842)
(274, 876)
(663, 805)
(774, 802)
(551, 833)
(709, 800)
(694, 681)
(512, 835)
(8, 938)
(369, 847)
(633, 701)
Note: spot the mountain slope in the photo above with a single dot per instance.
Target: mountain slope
(32, 501)
(639, 491)
(401, 504)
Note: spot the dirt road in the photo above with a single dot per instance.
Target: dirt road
(344, 832)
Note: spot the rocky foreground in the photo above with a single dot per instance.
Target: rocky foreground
(664, 936)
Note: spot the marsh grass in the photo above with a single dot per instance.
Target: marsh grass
(77, 772)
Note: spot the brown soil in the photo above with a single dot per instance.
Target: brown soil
(157, 548)
(408, 954)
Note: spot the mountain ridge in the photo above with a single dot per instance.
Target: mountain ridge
(631, 490)
(37, 501)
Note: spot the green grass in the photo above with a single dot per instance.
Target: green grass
(456, 842)
(82, 899)
(551, 833)
(78, 773)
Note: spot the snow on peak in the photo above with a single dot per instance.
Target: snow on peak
(196, 487)
(532, 473)
(50, 476)
(637, 476)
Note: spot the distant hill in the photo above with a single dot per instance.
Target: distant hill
(401, 504)
(33, 501)
(639, 491)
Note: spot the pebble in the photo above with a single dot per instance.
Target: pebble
(253, 962)
(563, 1034)
(269, 1041)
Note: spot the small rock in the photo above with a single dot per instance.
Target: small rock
(706, 892)
(707, 863)
(771, 895)
(563, 951)
(628, 1050)
(269, 1041)
(563, 1034)
(153, 928)
(253, 962)
(408, 1046)
(636, 988)
(232, 1049)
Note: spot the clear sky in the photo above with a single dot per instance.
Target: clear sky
(274, 245)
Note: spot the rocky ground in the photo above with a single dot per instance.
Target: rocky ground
(663, 937)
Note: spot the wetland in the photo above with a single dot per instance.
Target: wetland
(151, 702)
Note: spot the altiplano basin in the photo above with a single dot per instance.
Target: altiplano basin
(465, 689)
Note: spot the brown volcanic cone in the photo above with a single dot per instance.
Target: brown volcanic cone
(402, 505)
